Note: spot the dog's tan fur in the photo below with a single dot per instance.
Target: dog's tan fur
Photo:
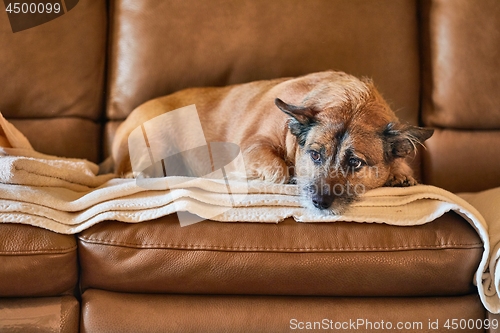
(334, 118)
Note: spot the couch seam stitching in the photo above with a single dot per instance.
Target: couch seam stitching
(42, 251)
(256, 248)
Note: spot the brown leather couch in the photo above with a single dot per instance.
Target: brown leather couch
(68, 83)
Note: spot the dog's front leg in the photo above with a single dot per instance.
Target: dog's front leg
(265, 162)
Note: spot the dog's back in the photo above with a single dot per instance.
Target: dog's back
(222, 112)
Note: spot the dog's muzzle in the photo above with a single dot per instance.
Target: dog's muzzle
(322, 199)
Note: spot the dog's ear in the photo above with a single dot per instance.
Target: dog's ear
(304, 115)
(401, 140)
(302, 119)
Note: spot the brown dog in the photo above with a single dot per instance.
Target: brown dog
(336, 137)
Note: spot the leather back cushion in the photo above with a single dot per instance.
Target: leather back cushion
(158, 47)
(462, 80)
(54, 73)
(461, 93)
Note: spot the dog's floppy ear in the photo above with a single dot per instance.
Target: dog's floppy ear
(302, 119)
(401, 140)
(304, 115)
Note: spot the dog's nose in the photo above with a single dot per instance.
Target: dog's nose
(322, 201)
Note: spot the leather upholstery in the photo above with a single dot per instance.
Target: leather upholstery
(39, 315)
(68, 58)
(215, 313)
(461, 76)
(68, 137)
(36, 262)
(462, 161)
(334, 259)
(461, 57)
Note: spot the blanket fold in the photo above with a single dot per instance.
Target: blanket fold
(67, 196)
(73, 175)
(20, 164)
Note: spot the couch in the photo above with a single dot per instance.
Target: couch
(68, 83)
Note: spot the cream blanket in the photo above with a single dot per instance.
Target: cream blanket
(66, 196)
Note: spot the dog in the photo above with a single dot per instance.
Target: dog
(329, 132)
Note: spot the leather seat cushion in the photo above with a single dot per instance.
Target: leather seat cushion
(43, 314)
(289, 258)
(104, 311)
(36, 262)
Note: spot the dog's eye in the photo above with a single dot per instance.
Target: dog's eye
(315, 156)
(355, 163)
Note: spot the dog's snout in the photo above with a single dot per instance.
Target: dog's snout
(322, 201)
(321, 196)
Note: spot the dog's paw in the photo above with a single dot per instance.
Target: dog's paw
(264, 163)
(274, 173)
(128, 175)
(268, 176)
(401, 181)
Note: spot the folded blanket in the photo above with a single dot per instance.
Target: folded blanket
(66, 196)
(20, 164)
(74, 175)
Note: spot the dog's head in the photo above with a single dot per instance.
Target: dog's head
(349, 141)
